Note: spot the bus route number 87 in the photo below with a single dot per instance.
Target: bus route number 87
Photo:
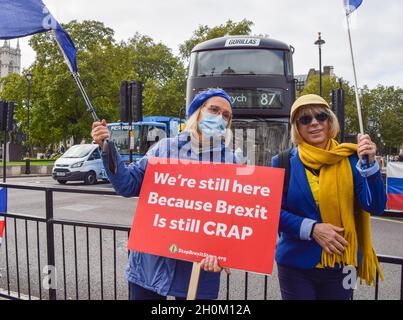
(267, 99)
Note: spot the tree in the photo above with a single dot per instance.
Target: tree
(58, 111)
(162, 73)
(203, 33)
(14, 89)
(167, 98)
(57, 108)
(384, 107)
(382, 110)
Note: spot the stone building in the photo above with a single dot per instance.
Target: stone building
(10, 59)
(303, 79)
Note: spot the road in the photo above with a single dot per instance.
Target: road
(108, 209)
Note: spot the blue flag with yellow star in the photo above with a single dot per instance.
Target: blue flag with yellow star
(20, 18)
(352, 5)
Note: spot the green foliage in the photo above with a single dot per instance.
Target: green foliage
(14, 88)
(165, 99)
(382, 105)
(58, 110)
(203, 33)
(32, 163)
(162, 73)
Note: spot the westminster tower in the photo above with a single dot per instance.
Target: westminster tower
(10, 59)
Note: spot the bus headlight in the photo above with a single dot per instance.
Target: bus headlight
(78, 164)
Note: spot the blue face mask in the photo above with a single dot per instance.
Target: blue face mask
(211, 125)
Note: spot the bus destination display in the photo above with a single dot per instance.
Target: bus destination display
(256, 98)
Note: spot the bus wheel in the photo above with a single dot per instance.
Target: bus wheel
(90, 178)
(62, 181)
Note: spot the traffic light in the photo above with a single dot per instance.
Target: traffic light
(3, 115)
(10, 116)
(334, 100)
(6, 115)
(340, 112)
(124, 102)
(338, 108)
(131, 101)
(136, 101)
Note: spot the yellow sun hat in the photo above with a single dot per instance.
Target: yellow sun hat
(305, 100)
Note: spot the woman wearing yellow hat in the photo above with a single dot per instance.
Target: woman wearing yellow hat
(327, 202)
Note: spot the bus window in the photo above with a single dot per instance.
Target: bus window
(290, 67)
(271, 137)
(153, 135)
(120, 135)
(192, 63)
(237, 62)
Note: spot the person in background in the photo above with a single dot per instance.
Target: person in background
(154, 277)
(380, 161)
(325, 216)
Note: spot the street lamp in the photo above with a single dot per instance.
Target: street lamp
(28, 76)
(319, 43)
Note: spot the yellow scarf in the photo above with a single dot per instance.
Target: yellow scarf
(337, 202)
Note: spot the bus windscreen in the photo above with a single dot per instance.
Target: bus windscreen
(120, 135)
(238, 62)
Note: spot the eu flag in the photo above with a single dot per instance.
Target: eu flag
(352, 5)
(3, 209)
(3, 200)
(20, 18)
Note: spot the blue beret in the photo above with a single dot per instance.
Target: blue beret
(203, 96)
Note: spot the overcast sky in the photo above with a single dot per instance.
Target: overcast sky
(377, 25)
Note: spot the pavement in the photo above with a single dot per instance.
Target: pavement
(89, 254)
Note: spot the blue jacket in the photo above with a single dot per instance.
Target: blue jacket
(299, 211)
(164, 275)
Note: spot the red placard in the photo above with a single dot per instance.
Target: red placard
(2, 225)
(190, 209)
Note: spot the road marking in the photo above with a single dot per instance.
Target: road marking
(387, 220)
(79, 207)
(118, 196)
(15, 295)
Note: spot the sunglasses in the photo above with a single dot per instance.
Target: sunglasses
(307, 119)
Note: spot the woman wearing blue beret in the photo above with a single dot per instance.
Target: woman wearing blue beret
(209, 118)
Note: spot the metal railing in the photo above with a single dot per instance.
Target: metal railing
(394, 261)
(61, 243)
(86, 254)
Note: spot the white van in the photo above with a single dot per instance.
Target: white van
(81, 162)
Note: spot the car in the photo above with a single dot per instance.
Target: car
(81, 162)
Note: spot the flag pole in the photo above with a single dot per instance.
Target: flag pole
(108, 146)
(77, 79)
(87, 100)
(357, 97)
(194, 281)
(365, 159)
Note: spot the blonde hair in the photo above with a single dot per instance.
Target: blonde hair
(191, 123)
(334, 126)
